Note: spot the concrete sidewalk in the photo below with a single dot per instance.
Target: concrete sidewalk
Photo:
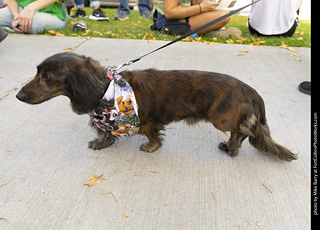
(187, 184)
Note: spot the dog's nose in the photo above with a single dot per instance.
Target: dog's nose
(21, 96)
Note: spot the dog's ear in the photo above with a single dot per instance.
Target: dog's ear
(86, 86)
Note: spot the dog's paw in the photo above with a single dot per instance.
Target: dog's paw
(224, 147)
(98, 144)
(148, 147)
(94, 144)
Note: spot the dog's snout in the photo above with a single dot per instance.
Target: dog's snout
(21, 96)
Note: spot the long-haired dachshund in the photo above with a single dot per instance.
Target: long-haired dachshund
(162, 97)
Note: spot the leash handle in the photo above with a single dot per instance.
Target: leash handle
(187, 34)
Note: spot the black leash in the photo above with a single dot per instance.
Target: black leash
(186, 35)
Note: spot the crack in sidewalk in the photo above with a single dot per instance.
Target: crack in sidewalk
(16, 88)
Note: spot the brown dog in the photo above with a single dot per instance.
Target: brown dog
(162, 97)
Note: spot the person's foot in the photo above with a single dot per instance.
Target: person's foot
(145, 15)
(121, 17)
(224, 33)
(3, 34)
(305, 87)
(98, 15)
(79, 14)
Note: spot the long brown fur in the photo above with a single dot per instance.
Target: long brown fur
(162, 97)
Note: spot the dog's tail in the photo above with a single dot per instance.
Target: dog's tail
(259, 136)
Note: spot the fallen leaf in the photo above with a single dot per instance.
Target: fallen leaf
(238, 54)
(95, 179)
(259, 223)
(2, 185)
(43, 191)
(68, 49)
(298, 59)
(258, 42)
(126, 215)
(55, 33)
(229, 41)
(241, 38)
(292, 49)
(92, 180)
(153, 171)
(295, 55)
(210, 43)
(283, 45)
(147, 36)
(197, 39)
(244, 51)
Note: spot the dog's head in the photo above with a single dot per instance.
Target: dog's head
(78, 77)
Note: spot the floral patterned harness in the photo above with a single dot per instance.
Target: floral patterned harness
(117, 111)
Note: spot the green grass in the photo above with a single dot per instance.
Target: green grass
(139, 28)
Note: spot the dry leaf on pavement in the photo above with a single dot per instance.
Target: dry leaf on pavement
(95, 179)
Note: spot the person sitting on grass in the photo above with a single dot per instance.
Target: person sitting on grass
(197, 14)
(97, 14)
(31, 16)
(274, 18)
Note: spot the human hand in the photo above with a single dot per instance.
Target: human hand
(24, 20)
(15, 25)
(207, 5)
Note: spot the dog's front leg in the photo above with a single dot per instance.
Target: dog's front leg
(104, 140)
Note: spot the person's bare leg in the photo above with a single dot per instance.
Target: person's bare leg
(204, 18)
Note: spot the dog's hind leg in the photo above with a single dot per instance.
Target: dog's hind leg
(103, 141)
(152, 131)
(233, 144)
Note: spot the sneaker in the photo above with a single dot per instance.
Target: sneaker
(98, 15)
(79, 14)
(145, 15)
(305, 87)
(3, 34)
(121, 17)
(226, 32)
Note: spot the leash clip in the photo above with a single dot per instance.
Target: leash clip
(116, 68)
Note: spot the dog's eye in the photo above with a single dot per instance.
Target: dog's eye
(46, 77)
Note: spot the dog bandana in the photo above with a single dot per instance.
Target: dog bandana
(117, 111)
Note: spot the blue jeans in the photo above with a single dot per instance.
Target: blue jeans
(79, 3)
(144, 7)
